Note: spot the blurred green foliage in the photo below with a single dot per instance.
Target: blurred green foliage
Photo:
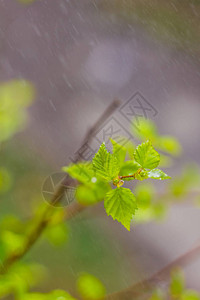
(5, 180)
(165, 143)
(152, 205)
(90, 288)
(177, 283)
(15, 97)
(88, 248)
(176, 290)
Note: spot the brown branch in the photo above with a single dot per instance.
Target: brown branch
(132, 175)
(128, 176)
(150, 283)
(71, 211)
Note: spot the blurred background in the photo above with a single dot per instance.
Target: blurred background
(78, 57)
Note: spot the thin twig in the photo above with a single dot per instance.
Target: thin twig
(72, 210)
(132, 175)
(150, 283)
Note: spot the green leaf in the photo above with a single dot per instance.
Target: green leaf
(147, 130)
(144, 194)
(105, 164)
(90, 287)
(119, 152)
(92, 193)
(143, 174)
(34, 296)
(147, 156)
(12, 223)
(189, 179)
(59, 295)
(157, 295)
(165, 161)
(158, 174)
(155, 211)
(6, 287)
(143, 215)
(129, 167)
(32, 274)
(57, 235)
(129, 146)
(166, 143)
(190, 295)
(5, 180)
(20, 279)
(177, 283)
(83, 171)
(13, 242)
(15, 96)
(170, 145)
(54, 295)
(20, 92)
(159, 210)
(120, 203)
(19, 285)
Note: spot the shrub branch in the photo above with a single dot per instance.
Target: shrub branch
(71, 211)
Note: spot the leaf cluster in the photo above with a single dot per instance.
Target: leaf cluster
(103, 178)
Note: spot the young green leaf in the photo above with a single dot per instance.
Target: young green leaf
(83, 172)
(141, 175)
(169, 144)
(147, 156)
(57, 235)
(129, 146)
(34, 296)
(158, 174)
(177, 283)
(120, 203)
(91, 193)
(190, 295)
(90, 288)
(128, 168)
(166, 143)
(147, 130)
(144, 194)
(105, 164)
(119, 152)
